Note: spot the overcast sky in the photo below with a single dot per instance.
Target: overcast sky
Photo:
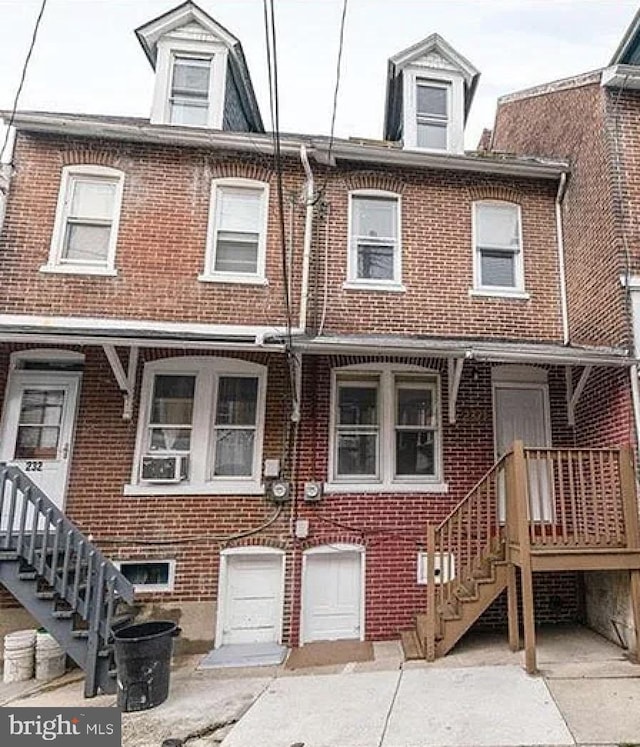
(87, 58)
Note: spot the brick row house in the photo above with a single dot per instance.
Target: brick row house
(372, 409)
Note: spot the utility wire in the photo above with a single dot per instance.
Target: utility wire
(336, 91)
(22, 78)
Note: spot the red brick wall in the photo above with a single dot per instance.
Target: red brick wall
(391, 526)
(437, 259)
(161, 238)
(572, 123)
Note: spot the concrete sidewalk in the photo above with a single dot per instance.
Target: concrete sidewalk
(479, 696)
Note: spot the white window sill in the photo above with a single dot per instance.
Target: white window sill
(79, 270)
(248, 487)
(361, 285)
(236, 279)
(396, 487)
(491, 293)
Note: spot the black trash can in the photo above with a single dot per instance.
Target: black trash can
(143, 658)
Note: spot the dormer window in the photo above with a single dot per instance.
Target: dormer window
(189, 95)
(429, 91)
(202, 79)
(432, 114)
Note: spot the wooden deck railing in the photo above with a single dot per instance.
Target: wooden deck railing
(575, 497)
(531, 500)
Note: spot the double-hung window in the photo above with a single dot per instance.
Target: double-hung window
(374, 250)
(498, 247)
(201, 424)
(189, 91)
(87, 217)
(237, 231)
(432, 114)
(386, 428)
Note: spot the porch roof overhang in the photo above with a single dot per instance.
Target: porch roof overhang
(479, 350)
(136, 333)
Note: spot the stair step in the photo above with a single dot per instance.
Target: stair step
(27, 575)
(80, 633)
(46, 594)
(104, 653)
(411, 645)
(62, 614)
(8, 555)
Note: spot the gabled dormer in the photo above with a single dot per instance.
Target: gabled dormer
(430, 87)
(202, 79)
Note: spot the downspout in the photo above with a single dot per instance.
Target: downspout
(5, 179)
(308, 232)
(562, 186)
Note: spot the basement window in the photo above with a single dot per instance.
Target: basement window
(149, 575)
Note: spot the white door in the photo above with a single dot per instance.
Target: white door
(252, 599)
(37, 428)
(522, 413)
(332, 595)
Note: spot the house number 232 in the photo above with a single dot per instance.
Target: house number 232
(33, 467)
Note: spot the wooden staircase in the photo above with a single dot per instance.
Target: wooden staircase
(534, 510)
(61, 578)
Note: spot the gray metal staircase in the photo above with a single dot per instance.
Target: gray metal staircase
(61, 578)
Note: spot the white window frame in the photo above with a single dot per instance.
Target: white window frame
(55, 262)
(353, 281)
(151, 588)
(447, 87)
(168, 50)
(518, 290)
(414, 76)
(176, 55)
(386, 482)
(218, 276)
(207, 371)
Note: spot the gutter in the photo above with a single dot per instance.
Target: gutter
(562, 187)
(392, 155)
(374, 153)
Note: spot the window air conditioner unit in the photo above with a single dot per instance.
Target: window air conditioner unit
(164, 468)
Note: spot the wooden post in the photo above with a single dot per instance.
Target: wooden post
(430, 643)
(632, 534)
(528, 610)
(629, 498)
(635, 611)
(512, 608)
(511, 528)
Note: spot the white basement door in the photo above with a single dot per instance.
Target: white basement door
(332, 595)
(253, 599)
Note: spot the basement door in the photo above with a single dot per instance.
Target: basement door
(522, 413)
(38, 426)
(252, 594)
(332, 593)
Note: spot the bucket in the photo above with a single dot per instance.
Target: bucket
(50, 658)
(18, 655)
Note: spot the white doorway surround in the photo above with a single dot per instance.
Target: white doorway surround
(39, 417)
(333, 585)
(521, 412)
(250, 596)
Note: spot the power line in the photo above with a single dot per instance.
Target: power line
(336, 91)
(22, 77)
